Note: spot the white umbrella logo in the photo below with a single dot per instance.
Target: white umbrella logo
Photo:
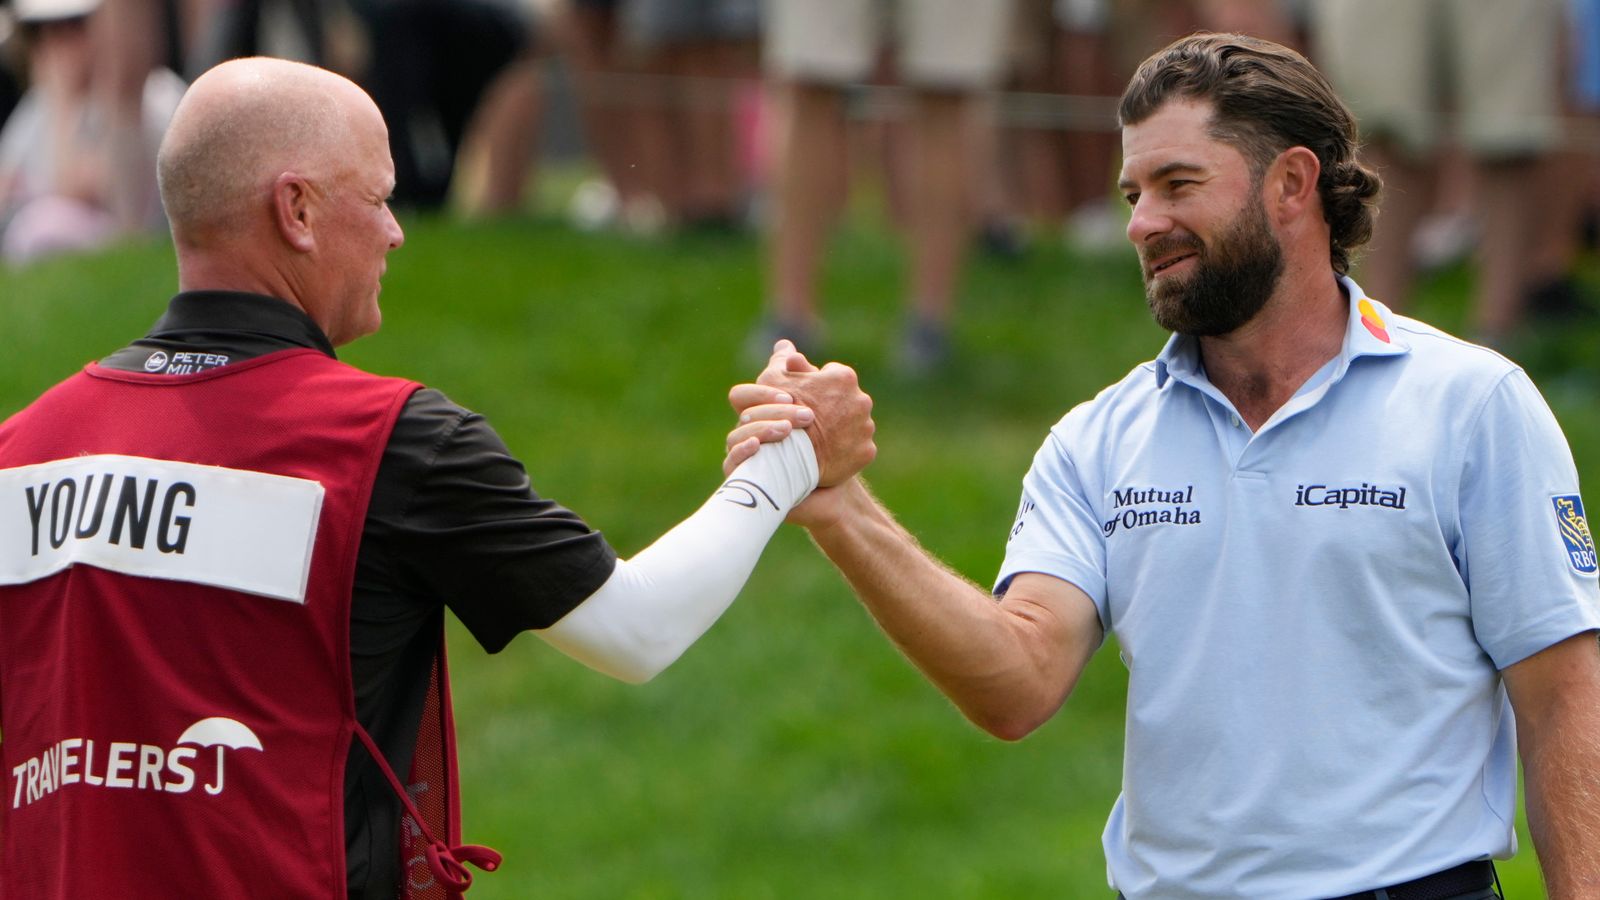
(222, 733)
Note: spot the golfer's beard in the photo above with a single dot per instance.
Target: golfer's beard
(1231, 281)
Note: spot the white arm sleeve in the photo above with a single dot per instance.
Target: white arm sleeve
(659, 602)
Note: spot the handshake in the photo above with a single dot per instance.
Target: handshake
(827, 403)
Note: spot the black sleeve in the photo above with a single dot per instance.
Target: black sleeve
(458, 523)
(452, 522)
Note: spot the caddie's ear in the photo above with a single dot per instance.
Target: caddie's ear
(292, 210)
(1291, 184)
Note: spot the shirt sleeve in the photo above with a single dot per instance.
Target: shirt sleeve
(1524, 548)
(1056, 531)
(460, 524)
(663, 599)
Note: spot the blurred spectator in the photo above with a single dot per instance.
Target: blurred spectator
(58, 189)
(1499, 76)
(11, 64)
(1062, 155)
(1026, 169)
(132, 40)
(1139, 26)
(704, 54)
(1274, 20)
(1001, 202)
(228, 29)
(591, 37)
(945, 51)
(433, 64)
(501, 143)
(1583, 19)
(1448, 233)
(1574, 175)
(1584, 86)
(1092, 146)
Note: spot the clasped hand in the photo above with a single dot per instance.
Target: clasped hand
(792, 393)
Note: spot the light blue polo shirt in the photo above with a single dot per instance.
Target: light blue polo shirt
(1313, 616)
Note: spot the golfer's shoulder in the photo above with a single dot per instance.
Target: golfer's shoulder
(1442, 360)
(1132, 394)
(1125, 406)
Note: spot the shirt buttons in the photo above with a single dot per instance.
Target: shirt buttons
(1234, 418)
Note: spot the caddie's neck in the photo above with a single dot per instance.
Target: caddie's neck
(245, 269)
(217, 270)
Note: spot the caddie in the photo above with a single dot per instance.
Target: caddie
(225, 556)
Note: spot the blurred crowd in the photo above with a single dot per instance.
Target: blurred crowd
(987, 124)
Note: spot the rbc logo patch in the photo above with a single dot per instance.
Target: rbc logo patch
(1575, 533)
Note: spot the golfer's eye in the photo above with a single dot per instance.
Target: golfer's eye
(1133, 199)
(1177, 183)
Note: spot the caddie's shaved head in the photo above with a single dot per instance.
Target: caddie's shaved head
(239, 126)
(276, 177)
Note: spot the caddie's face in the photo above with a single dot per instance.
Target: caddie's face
(1209, 257)
(361, 231)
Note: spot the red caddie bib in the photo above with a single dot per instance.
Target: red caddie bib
(176, 563)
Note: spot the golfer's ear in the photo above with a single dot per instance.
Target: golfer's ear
(292, 211)
(1291, 184)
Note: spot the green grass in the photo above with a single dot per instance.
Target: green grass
(792, 753)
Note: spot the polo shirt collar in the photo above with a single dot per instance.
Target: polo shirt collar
(1372, 329)
(239, 312)
(1179, 359)
(1369, 331)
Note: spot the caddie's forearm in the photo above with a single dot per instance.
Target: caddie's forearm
(663, 599)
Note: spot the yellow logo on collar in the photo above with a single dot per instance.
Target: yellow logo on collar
(1373, 321)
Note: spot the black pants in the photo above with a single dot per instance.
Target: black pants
(1485, 894)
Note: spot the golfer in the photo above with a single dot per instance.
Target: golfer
(1343, 553)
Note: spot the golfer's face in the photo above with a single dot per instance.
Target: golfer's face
(1185, 187)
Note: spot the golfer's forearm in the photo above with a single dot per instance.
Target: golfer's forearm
(986, 659)
(1562, 768)
(663, 599)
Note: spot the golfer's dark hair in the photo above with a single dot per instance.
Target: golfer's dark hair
(1267, 98)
